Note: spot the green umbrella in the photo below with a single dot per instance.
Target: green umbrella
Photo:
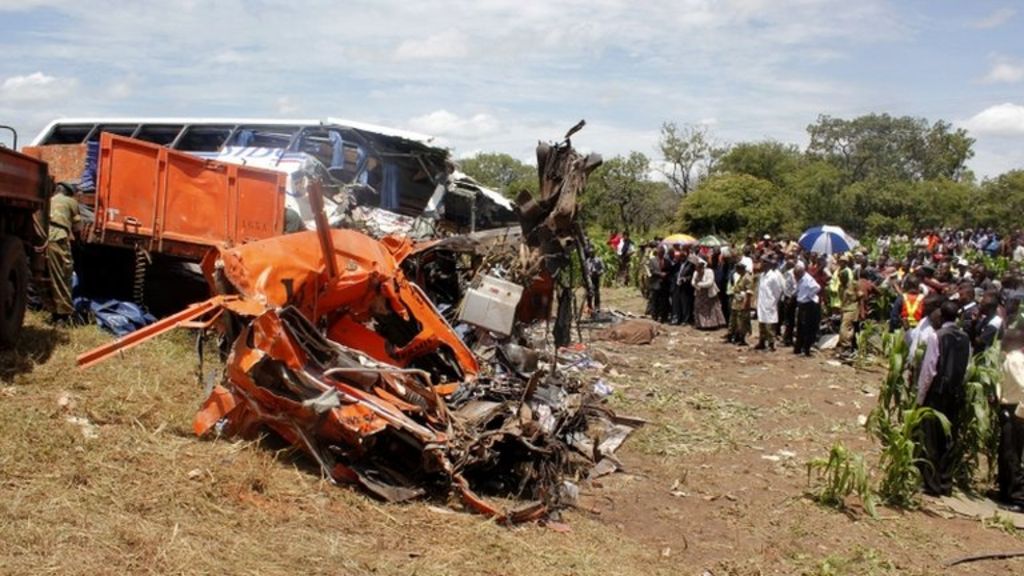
(712, 241)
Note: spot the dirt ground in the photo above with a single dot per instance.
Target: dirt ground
(100, 474)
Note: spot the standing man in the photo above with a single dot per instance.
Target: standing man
(808, 310)
(625, 253)
(682, 297)
(64, 222)
(942, 389)
(595, 269)
(742, 291)
(769, 293)
(849, 306)
(788, 306)
(655, 283)
(1011, 420)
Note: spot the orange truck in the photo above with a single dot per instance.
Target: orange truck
(179, 204)
(24, 201)
(155, 212)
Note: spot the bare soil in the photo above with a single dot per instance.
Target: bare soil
(100, 474)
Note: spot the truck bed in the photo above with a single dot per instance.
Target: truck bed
(178, 204)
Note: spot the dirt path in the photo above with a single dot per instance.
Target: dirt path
(718, 478)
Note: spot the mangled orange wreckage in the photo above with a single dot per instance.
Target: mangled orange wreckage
(348, 360)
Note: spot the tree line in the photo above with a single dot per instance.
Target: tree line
(874, 174)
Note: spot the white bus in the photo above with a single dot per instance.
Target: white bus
(409, 175)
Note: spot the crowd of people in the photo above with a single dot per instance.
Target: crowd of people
(952, 293)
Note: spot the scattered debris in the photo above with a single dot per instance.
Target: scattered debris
(349, 360)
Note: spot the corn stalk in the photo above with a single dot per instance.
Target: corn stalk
(842, 474)
(899, 461)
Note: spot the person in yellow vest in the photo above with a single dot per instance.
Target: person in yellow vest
(912, 309)
(64, 223)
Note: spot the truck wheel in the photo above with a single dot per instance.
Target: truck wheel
(13, 289)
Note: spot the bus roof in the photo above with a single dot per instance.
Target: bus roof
(200, 121)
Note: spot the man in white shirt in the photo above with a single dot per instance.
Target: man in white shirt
(1011, 419)
(808, 310)
(769, 292)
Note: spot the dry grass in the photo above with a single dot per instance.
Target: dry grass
(144, 496)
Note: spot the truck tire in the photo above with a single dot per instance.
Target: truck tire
(14, 275)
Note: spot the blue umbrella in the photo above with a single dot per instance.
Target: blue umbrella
(826, 240)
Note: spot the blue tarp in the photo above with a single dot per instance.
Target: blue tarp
(92, 155)
(115, 316)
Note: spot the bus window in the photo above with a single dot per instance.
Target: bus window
(263, 136)
(158, 134)
(118, 129)
(68, 134)
(203, 138)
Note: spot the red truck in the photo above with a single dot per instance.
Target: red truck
(25, 187)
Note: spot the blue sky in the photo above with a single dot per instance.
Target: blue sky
(501, 74)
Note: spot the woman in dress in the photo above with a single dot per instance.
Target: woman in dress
(708, 308)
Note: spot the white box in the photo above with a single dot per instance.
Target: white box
(492, 305)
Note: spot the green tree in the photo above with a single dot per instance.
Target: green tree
(1000, 202)
(738, 204)
(621, 196)
(815, 187)
(887, 147)
(501, 172)
(769, 160)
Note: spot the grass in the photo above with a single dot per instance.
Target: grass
(145, 497)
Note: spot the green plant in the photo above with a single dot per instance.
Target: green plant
(898, 462)
(895, 395)
(869, 341)
(842, 474)
(979, 431)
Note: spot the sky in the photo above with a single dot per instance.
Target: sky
(499, 75)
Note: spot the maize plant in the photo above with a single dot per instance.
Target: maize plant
(870, 341)
(980, 427)
(898, 462)
(895, 395)
(841, 475)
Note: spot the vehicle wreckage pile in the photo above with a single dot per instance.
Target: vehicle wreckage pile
(349, 359)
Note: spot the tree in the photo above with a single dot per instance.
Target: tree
(768, 160)
(621, 196)
(738, 204)
(690, 154)
(887, 147)
(501, 172)
(1000, 202)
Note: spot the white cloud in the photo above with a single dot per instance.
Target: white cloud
(1004, 70)
(121, 89)
(1000, 120)
(285, 106)
(446, 124)
(995, 19)
(447, 45)
(34, 88)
